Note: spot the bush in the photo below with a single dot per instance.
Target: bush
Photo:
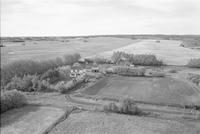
(44, 86)
(129, 71)
(173, 71)
(29, 83)
(65, 87)
(12, 99)
(127, 106)
(195, 78)
(111, 107)
(194, 63)
(22, 84)
(155, 73)
(51, 75)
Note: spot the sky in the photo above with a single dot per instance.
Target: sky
(99, 17)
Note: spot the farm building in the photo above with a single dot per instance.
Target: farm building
(95, 69)
(82, 61)
(76, 70)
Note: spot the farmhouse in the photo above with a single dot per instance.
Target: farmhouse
(76, 70)
(95, 69)
(82, 61)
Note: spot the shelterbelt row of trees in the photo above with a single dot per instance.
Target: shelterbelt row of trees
(137, 59)
(20, 68)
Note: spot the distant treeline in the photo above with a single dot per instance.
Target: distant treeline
(189, 40)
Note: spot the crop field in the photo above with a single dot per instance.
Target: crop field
(169, 51)
(153, 90)
(42, 50)
(98, 123)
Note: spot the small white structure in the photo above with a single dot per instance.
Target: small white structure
(75, 70)
(95, 69)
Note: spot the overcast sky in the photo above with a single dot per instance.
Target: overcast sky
(91, 17)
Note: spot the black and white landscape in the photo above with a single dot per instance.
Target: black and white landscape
(100, 67)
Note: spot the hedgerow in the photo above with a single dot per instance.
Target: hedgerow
(129, 71)
(126, 106)
(136, 59)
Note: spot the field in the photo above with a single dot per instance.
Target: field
(153, 90)
(98, 123)
(45, 49)
(169, 51)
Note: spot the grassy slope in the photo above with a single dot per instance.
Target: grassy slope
(155, 90)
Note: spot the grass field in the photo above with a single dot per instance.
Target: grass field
(102, 123)
(42, 50)
(154, 90)
(169, 51)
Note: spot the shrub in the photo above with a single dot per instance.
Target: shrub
(155, 73)
(65, 87)
(64, 72)
(12, 99)
(51, 75)
(29, 83)
(127, 106)
(111, 107)
(44, 86)
(195, 78)
(129, 71)
(173, 71)
(60, 86)
(22, 84)
(194, 63)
